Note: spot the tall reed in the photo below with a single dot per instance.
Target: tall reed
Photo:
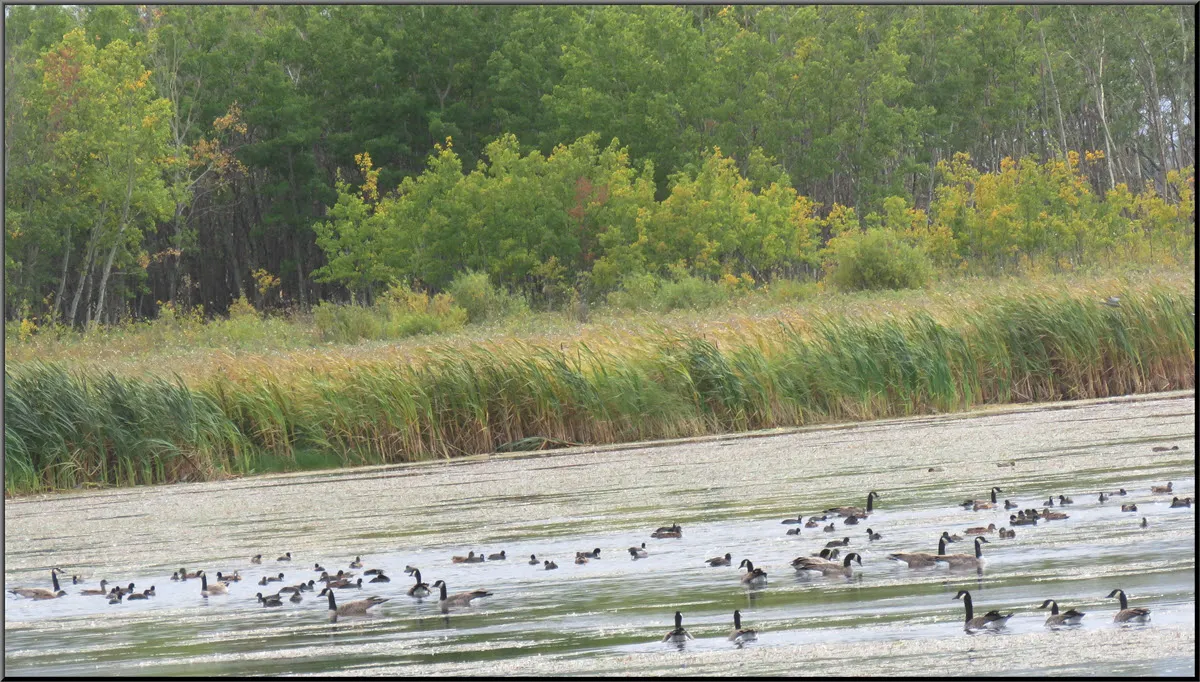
(66, 428)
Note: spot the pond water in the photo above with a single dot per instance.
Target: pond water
(608, 616)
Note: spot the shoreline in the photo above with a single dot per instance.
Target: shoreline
(352, 471)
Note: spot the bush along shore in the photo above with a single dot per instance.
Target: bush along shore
(77, 428)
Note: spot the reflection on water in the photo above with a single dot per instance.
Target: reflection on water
(610, 614)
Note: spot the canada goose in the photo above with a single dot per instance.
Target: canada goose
(458, 599)
(207, 590)
(354, 608)
(256, 559)
(1054, 516)
(798, 519)
(993, 620)
(1007, 534)
(979, 502)
(1021, 521)
(318, 567)
(235, 578)
(830, 528)
(272, 600)
(594, 554)
(499, 556)
(793, 531)
(951, 538)
(420, 589)
(1145, 523)
(672, 531)
(982, 504)
(296, 598)
(1121, 492)
(1103, 497)
(739, 633)
(1063, 499)
(812, 523)
(1177, 503)
(678, 634)
(1071, 617)
(838, 543)
(873, 536)
(920, 559)
(1126, 614)
(469, 558)
(752, 576)
(41, 592)
(1129, 507)
(580, 558)
(980, 530)
(533, 560)
(357, 563)
(855, 511)
(720, 560)
(184, 575)
(100, 591)
(639, 552)
(1165, 489)
(1163, 448)
(549, 565)
(965, 560)
(287, 556)
(828, 553)
(380, 578)
(410, 569)
(827, 567)
(851, 521)
(1008, 504)
(144, 594)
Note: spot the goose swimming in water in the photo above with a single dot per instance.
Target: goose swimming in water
(920, 559)
(1071, 617)
(1126, 614)
(720, 560)
(354, 608)
(41, 592)
(827, 567)
(856, 511)
(992, 620)
(740, 634)
(420, 589)
(752, 576)
(965, 560)
(678, 634)
(982, 504)
(459, 599)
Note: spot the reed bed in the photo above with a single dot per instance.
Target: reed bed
(64, 429)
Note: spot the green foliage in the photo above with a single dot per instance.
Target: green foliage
(398, 313)
(482, 300)
(876, 259)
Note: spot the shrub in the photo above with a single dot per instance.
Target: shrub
(636, 292)
(347, 323)
(482, 300)
(690, 292)
(875, 260)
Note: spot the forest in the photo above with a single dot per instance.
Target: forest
(194, 158)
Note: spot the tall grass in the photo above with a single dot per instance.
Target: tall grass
(63, 429)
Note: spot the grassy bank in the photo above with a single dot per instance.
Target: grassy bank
(838, 359)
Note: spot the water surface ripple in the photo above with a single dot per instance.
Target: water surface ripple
(607, 617)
